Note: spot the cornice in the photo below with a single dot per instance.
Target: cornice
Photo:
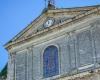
(73, 9)
(55, 27)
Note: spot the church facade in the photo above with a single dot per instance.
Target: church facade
(61, 44)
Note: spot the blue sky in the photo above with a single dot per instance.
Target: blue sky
(17, 14)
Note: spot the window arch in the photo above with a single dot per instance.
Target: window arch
(50, 61)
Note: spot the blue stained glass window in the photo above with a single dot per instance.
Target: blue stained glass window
(50, 62)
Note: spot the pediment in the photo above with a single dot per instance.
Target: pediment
(60, 16)
(38, 24)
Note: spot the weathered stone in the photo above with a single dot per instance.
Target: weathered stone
(76, 37)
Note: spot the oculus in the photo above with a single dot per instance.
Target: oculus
(49, 22)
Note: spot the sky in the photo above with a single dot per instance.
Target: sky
(17, 14)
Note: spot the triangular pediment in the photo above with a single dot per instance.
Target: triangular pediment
(60, 16)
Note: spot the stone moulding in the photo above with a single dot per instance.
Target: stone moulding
(89, 75)
(69, 22)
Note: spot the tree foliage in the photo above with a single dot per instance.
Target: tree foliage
(3, 73)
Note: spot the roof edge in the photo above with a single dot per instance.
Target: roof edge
(25, 29)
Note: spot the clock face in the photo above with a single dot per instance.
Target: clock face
(49, 23)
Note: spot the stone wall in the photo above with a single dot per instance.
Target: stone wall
(78, 52)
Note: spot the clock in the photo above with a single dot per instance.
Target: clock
(49, 22)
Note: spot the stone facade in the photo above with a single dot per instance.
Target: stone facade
(77, 38)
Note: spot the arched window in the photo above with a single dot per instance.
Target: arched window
(50, 62)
